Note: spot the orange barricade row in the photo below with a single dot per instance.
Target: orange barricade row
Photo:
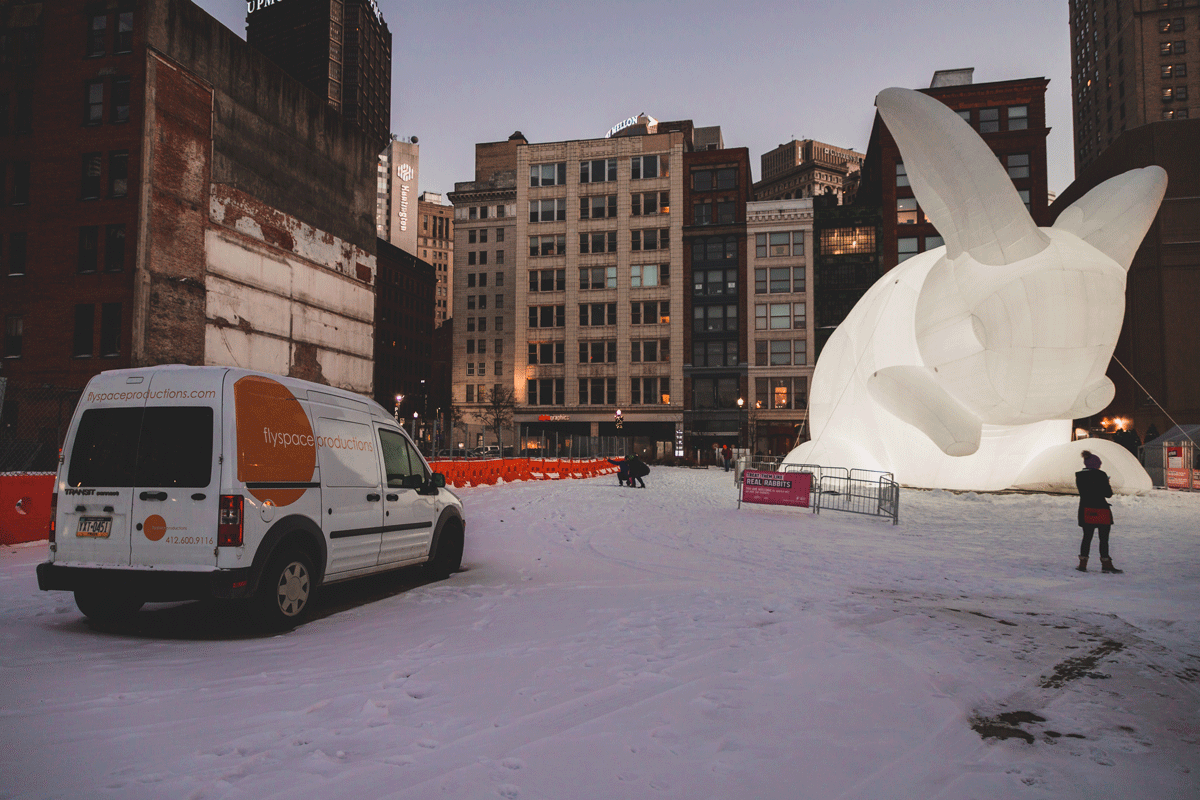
(488, 472)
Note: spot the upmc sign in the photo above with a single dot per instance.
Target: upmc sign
(776, 488)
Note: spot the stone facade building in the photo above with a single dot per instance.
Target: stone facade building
(435, 241)
(806, 169)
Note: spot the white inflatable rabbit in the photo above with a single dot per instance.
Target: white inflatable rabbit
(963, 367)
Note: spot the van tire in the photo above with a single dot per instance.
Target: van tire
(447, 557)
(285, 591)
(106, 607)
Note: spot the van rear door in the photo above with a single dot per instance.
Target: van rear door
(351, 488)
(177, 476)
(95, 499)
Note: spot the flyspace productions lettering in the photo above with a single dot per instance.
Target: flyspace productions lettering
(160, 394)
(285, 440)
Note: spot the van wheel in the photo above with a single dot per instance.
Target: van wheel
(285, 591)
(448, 557)
(107, 607)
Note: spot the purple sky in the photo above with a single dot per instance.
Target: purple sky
(764, 71)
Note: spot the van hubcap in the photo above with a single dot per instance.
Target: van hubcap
(293, 589)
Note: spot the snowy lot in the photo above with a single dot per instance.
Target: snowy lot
(606, 642)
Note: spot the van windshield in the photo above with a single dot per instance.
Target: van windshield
(160, 446)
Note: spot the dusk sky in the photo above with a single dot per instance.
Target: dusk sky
(766, 72)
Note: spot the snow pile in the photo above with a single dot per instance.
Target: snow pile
(608, 642)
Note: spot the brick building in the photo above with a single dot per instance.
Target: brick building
(1133, 62)
(171, 196)
(435, 240)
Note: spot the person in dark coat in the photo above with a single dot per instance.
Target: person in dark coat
(726, 456)
(1094, 491)
(622, 471)
(637, 471)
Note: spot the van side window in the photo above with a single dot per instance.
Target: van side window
(160, 446)
(403, 466)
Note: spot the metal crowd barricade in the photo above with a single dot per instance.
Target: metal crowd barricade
(866, 492)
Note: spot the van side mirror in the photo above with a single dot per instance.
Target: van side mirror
(438, 480)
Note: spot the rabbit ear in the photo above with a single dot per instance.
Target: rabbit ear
(1114, 216)
(958, 181)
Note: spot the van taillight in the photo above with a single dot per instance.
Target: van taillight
(229, 520)
(53, 515)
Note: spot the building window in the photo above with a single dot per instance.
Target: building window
(483, 257)
(647, 203)
(90, 178)
(1168, 94)
(715, 248)
(702, 213)
(901, 174)
(650, 239)
(545, 392)
(598, 206)
(14, 335)
(120, 100)
(597, 314)
(1168, 71)
(597, 277)
(906, 248)
(18, 253)
(546, 316)
(598, 171)
(1018, 118)
(85, 319)
(726, 212)
(598, 242)
(932, 242)
(781, 352)
(650, 391)
(650, 350)
(715, 392)
(713, 354)
(97, 30)
(20, 191)
(499, 257)
(554, 210)
(598, 352)
(470, 393)
(94, 110)
(641, 275)
(906, 211)
(110, 329)
(648, 167)
(1181, 93)
(597, 391)
(547, 280)
(713, 319)
(89, 248)
(548, 174)
(707, 180)
(1024, 195)
(715, 281)
(1018, 165)
(989, 120)
(482, 302)
(118, 173)
(471, 258)
(650, 312)
(547, 353)
(548, 245)
(499, 301)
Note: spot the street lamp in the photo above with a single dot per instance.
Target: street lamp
(414, 426)
(396, 410)
(741, 410)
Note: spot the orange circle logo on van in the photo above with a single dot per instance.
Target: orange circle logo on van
(275, 442)
(155, 527)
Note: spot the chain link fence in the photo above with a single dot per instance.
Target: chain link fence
(33, 424)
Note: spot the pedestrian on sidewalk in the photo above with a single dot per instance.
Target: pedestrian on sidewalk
(1095, 514)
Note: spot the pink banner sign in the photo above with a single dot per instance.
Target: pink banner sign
(776, 488)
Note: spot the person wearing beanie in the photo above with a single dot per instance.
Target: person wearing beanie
(1094, 510)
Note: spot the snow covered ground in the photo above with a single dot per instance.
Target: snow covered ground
(606, 642)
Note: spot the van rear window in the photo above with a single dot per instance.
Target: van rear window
(160, 446)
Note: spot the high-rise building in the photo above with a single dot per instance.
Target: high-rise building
(340, 49)
(191, 216)
(1132, 62)
(806, 169)
(435, 240)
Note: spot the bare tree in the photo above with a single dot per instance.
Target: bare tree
(497, 411)
(457, 420)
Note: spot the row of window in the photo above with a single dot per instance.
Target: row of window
(707, 180)
(600, 242)
(479, 369)
(601, 351)
(599, 170)
(707, 212)
(991, 120)
(640, 276)
(909, 246)
(83, 342)
(481, 279)
(652, 390)
(780, 352)
(91, 178)
(93, 110)
(481, 302)
(481, 324)
(484, 212)
(600, 206)
(1176, 25)
(777, 245)
(480, 235)
(1173, 93)
(1175, 113)
(480, 257)
(99, 24)
(480, 346)
(1170, 71)
(644, 312)
(1172, 48)
(89, 254)
(789, 392)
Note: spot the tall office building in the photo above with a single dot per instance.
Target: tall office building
(1132, 62)
(435, 240)
(340, 49)
(806, 169)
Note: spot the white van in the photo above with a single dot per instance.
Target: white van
(183, 482)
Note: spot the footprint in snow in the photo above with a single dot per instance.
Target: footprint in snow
(512, 763)
(508, 790)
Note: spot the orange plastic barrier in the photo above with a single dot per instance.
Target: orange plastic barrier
(25, 507)
(488, 472)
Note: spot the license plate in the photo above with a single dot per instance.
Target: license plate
(94, 526)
